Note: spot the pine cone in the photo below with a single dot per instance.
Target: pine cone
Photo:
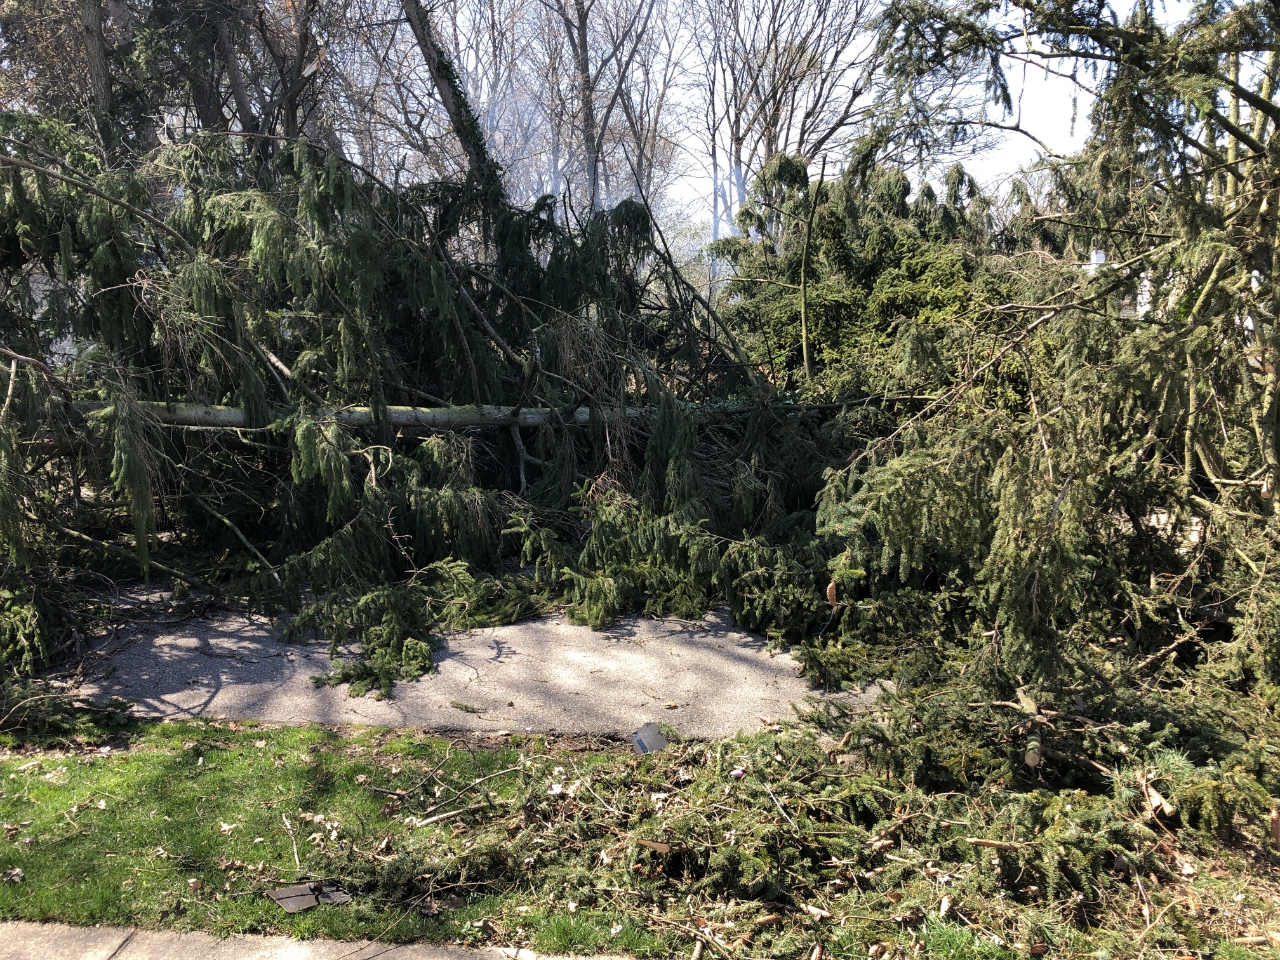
(831, 593)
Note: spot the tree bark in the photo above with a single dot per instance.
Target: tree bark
(586, 100)
(239, 91)
(95, 46)
(461, 117)
(209, 416)
(436, 418)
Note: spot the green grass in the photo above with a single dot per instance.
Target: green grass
(119, 836)
(761, 846)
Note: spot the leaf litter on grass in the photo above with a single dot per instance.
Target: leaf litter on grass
(771, 844)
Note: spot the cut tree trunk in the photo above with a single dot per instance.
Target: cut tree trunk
(210, 416)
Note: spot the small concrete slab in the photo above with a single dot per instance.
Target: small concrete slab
(55, 941)
(708, 679)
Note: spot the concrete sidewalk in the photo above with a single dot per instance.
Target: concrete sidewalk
(707, 679)
(55, 941)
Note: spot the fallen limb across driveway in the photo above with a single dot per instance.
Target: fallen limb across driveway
(437, 418)
(433, 418)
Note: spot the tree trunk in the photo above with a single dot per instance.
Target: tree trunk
(239, 91)
(435, 418)
(586, 98)
(95, 46)
(463, 120)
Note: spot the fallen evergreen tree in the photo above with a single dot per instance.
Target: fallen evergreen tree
(920, 437)
(263, 373)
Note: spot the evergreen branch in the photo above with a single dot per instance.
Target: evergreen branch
(243, 539)
(102, 195)
(482, 319)
(804, 274)
(126, 554)
(664, 254)
(40, 365)
(8, 394)
(274, 363)
(1047, 314)
(476, 397)
(766, 280)
(1013, 128)
(271, 369)
(1234, 131)
(1048, 218)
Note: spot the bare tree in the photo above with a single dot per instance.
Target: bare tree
(648, 99)
(603, 41)
(779, 76)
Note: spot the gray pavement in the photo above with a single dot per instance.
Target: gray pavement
(707, 679)
(55, 941)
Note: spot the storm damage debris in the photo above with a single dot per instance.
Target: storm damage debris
(648, 739)
(308, 895)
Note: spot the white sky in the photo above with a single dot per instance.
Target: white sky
(1043, 107)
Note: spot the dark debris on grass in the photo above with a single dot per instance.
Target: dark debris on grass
(767, 845)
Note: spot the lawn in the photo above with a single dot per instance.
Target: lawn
(560, 845)
(187, 825)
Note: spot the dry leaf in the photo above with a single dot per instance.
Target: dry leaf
(13, 875)
(226, 828)
(816, 911)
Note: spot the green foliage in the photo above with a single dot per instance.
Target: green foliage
(880, 271)
(37, 708)
(21, 630)
(393, 625)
